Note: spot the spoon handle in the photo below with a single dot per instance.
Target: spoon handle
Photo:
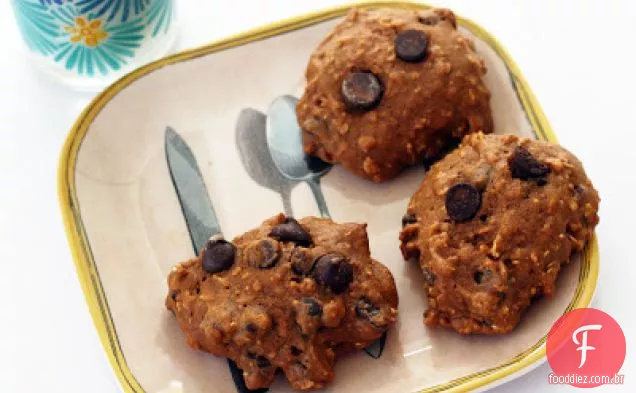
(285, 195)
(314, 185)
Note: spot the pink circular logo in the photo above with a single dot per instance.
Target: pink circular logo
(585, 348)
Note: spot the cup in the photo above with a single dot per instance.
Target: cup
(90, 43)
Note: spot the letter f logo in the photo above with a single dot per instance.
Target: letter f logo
(584, 347)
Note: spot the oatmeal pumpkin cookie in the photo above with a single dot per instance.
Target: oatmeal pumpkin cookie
(288, 295)
(389, 88)
(491, 226)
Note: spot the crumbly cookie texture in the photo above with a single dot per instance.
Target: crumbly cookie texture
(491, 226)
(288, 295)
(389, 88)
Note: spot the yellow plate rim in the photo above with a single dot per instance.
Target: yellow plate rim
(80, 248)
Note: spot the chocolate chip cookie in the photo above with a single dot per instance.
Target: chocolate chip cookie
(491, 226)
(289, 295)
(389, 88)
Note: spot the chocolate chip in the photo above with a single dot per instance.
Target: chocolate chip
(262, 362)
(251, 328)
(264, 255)
(430, 20)
(408, 219)
(429, 276)
(365, 308)
(218, 256)
(463, 201)
(524, 166)
(301, 261)
(361, 91)
(173, 295)
(302, 365)
(291, 231)
(295, 351)
(502, 298)
(481, 276)
(270, 254)
(411, 45)
(484, 322)
(314, 308)
(334, 271)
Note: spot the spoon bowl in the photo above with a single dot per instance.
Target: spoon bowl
(284, 139)
(285, 143)
(251, 144)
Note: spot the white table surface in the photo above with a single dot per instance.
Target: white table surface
(578, 57)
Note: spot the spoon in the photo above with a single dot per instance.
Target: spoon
(285, 143)
(251, 144)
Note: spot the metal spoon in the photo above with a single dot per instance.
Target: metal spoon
(285, 143)
(251, 144)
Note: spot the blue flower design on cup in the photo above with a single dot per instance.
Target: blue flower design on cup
(94, 37)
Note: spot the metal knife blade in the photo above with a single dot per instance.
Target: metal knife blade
(191, 191)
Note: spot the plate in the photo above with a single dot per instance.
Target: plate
(126, 228)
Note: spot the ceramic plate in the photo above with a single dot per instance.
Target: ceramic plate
(126, 227)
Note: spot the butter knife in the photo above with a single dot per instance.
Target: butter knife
(193, 196)
(197, 210)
